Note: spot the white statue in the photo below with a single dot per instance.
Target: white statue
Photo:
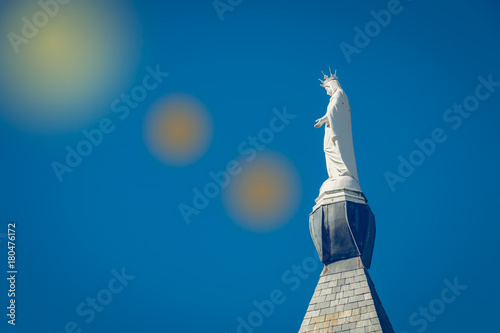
(338, 145)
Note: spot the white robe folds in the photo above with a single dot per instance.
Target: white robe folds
(338, 145)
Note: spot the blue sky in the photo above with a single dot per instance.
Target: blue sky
(119, 207)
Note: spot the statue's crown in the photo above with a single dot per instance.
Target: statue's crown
(327, 79)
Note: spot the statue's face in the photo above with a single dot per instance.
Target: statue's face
(329, 90)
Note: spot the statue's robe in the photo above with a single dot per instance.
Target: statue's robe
(338, 145)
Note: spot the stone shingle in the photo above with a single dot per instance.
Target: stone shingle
(345, 301)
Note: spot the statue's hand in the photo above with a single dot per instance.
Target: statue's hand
(319, 122)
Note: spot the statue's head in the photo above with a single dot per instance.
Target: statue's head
(330, 83)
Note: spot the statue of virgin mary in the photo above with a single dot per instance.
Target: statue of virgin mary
(338, 145)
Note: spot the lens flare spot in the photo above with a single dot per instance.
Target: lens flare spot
(264, 196)
(178, 130)
(74, 59)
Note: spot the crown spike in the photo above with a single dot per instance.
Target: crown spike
(327, 78)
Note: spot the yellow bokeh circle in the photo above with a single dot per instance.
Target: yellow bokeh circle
(178, 130)
(63, 62)
(265, 195)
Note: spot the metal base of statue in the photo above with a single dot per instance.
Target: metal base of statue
(343, 230)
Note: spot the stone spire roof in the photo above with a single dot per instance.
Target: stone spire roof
(345, 300)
